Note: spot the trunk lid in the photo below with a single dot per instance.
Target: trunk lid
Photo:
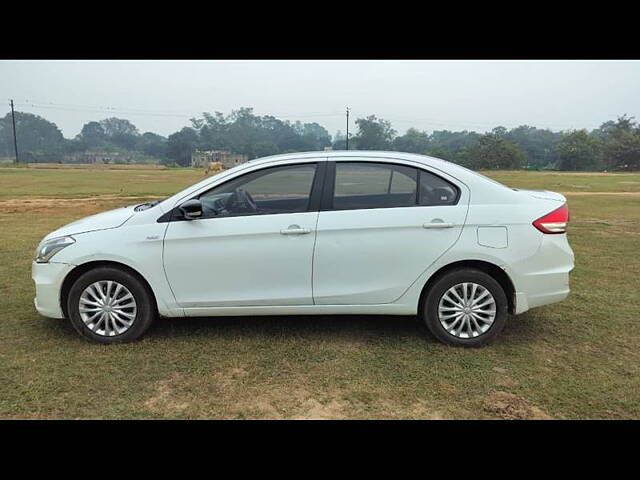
(544, 195)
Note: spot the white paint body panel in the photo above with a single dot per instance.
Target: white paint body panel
(240, 261)
(374, 261)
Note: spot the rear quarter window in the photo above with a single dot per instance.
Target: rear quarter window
(435, 190)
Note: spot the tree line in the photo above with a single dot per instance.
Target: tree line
(615, 145)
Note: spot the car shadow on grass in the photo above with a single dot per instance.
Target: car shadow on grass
(294, 326)
(365, 328)
(519, 329)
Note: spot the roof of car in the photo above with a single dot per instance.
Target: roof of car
(329, 154)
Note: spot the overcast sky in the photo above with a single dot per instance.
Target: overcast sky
(429, 95)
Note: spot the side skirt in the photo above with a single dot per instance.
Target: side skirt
(385, 309)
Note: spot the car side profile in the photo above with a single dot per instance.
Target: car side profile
(329, 233)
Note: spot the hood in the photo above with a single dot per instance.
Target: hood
(101, 221)
(545, 195)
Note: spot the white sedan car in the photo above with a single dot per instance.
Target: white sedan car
(326, 233)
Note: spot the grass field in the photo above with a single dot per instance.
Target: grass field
(576, 359)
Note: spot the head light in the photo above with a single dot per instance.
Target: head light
(48, 249)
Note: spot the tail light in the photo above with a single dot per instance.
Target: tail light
(554, 222)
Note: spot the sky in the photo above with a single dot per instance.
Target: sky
(161, 96)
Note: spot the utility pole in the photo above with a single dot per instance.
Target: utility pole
(15, 139)
(347, 128)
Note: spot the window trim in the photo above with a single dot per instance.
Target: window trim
(313, 205)
(328, 191)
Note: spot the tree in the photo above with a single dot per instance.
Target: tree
(287, 137)
(242, 132)
(374, 134)
(38, 139)
(120, 132)
(180, 146)
(452, 146)
(499, 132)
(578, 150)
(620, 143)
(264, 149)
(492, 152)
(622, 152)
(315, 136)
(538, 145)
(413, 141)
(92, 136)
(153, 145)
(212, 130)
(339, 141)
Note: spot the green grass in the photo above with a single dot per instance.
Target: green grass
(67, 183)
(576, 359)
(569, 181)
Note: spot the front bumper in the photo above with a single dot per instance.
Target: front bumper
(48, 278)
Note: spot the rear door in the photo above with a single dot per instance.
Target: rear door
(380, 226)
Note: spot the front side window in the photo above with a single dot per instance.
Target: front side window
(272, 190)
(373, 185)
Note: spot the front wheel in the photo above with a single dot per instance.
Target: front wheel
(465, 308)
(109, 305)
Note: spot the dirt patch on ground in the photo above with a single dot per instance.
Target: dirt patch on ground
(575, 194)
(512, 407)
(164, 399)
(47, 201)
(230, 377)
(85, 205)
(95, 166)
(173, 396)
(298, 403)
(312, 409)
(575, 174)
(424, 410)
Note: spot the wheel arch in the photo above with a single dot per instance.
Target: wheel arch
(497, 273)
(79, 270)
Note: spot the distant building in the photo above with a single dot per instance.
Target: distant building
(97, 157)
(201, 159)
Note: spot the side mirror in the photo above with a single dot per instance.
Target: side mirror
(191, 209)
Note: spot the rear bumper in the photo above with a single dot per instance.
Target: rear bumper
(544, 277)
(525, 301)
(48, 278)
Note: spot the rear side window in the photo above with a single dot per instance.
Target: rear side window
(436, 191)
(374, 185)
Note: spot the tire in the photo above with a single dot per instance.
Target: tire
(139, 313)
(475, 337)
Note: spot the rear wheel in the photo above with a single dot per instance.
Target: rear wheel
(109, 305)
(465, 308)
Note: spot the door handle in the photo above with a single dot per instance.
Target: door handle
(295, 230)
(438, 225)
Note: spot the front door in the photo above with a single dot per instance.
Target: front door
(253, 245)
